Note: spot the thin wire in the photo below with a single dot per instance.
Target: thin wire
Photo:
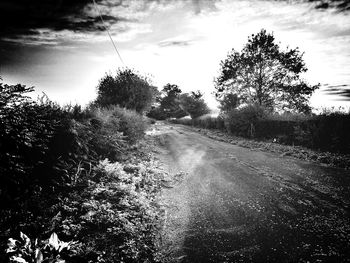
(110, 37)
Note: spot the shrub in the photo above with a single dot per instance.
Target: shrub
(116, 217)
(326, 132)
(128, 89)
(47, 164)
(157, 113)
(33, 171)
(26, 131)
(50, 250)
(206, 122)
(194, 104)
(132, 124)
(242, 121)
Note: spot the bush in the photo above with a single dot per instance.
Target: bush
(33, 168)
(27, 130)
(322, 132)
(128, 89)
(157, 113)
(50, 166)
(242, 121)
(193, 104)
(132, 124)
(116, 216)
(206, 122)
(326, 132)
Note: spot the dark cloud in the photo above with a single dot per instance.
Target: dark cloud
(341, 91)
(340, 5)
(337, 5)
(24, 17)
(179, 43)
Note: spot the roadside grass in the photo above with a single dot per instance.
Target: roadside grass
(76, 173)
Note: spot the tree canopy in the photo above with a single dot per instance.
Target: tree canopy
(172, 103)
(194, 104)
(127, 89)
(169, 100)
(228, 102)
(264, 74)
(168, 103)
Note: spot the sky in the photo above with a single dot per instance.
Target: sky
(62, 48)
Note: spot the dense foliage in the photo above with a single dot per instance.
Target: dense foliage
(263, 74)
(325, 132)
(127, 89)
(172, 103)
(242, 121)
(228, 102)
(193, 104)
(168, 104)
(73, 172)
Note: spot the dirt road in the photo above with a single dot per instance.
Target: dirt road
(225, 203)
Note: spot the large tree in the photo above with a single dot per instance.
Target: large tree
(127, 89)
(170, 101)
(264, 74)
(194, 104)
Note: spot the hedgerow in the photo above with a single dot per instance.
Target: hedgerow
(325, 132)
(62, 172)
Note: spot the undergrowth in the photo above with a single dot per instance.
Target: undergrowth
(72, 172)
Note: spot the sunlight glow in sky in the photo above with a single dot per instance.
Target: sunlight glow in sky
(180, 42)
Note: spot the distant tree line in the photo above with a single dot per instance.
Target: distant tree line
(172, 103)
(130, 90)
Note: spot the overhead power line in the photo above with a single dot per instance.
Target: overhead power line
(109, 34)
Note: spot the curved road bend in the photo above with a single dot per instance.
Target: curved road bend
(226, 203)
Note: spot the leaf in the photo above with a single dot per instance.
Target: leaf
(18, 259)
(26, 240)
(64, 245)
(54, 241)
(38, 256)
(12, 245)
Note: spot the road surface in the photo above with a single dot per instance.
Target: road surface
(225, 203)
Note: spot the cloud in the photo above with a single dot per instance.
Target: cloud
(340, 5)
(341, 91)
(21, 18)
(337, 5)
(25, 17)
(177, 43)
